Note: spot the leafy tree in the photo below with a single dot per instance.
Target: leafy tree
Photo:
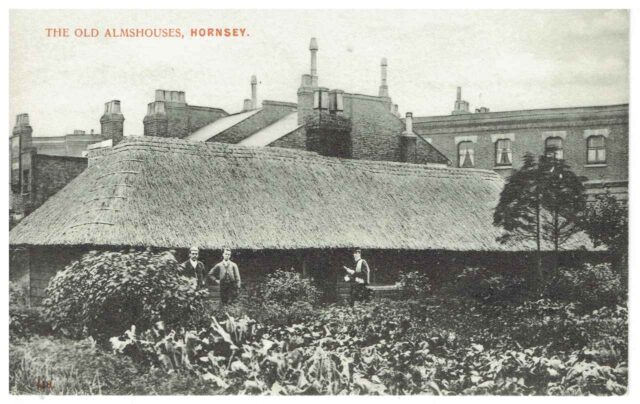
(607, 223)
(542, 201)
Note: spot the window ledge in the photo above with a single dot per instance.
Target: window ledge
(590, 165)
(503, 167)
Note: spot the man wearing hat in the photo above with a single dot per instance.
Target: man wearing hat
(194, 268)
(359, 278)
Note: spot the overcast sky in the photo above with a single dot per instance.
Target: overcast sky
(504, 60)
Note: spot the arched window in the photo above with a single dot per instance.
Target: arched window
(503, 152)
(596, 150)
(465, 155)
(553, 147)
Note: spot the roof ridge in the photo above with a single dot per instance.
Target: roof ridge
(239, 151)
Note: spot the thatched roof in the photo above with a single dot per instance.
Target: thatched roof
(175, 193)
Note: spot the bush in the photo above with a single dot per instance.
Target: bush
(484, 285)
(24, 321)
(592, 286)
(285, 297)
(17, 296)
(73, 367)
(105, 292)
(414, 284)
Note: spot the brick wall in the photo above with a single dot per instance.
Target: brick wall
(528, 132)
(270, 113)
(375, 130)
(293, 140)
(51, 174)
(180, 119)
(202, 116)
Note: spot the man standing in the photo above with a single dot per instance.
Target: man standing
(226, 274)
(194, 268)
(359, 278)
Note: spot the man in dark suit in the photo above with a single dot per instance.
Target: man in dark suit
(359, 279)
(194, 268)
(226, 274)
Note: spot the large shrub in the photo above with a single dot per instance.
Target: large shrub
(414, 284)
(105, 292)
(592, 286)
(286, 297)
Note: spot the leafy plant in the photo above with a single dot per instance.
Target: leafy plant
(103, 292)
(415, 284)
(607, 223)
(486, 286)
(285, 297)
(24, 321)
(593, 286)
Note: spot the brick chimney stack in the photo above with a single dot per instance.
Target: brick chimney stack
(156, 122)
(246, 105)
(254, 92)
(112, 122)
(408, 141)
(23, 130)
(384, 89)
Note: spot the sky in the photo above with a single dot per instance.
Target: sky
(504, 60)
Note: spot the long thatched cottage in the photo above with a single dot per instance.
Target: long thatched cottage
(276, 208)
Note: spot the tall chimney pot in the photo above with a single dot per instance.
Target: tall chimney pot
(409, 123)
(384, 89)
(313, 47)
(254, 92)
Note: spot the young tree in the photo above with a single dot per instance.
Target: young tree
(542, 201)
(563, 199)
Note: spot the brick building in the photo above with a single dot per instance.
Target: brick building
(331, 122)
(592, 140)
(41, 166)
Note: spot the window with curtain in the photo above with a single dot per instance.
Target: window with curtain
(503, 152)
(553, 148)
(596, 150)
(465, 155)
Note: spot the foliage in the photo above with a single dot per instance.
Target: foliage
(288, 287)
(17, 295)
(543, 200)
(486, 286)
(607, 223)
(592, 286)
(563, 198)
(24, 321)
(415, 284)
(285, 297)
(73, 367)
(103, 291)
(445, 347)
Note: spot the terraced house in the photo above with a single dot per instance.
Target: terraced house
(594, 141)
